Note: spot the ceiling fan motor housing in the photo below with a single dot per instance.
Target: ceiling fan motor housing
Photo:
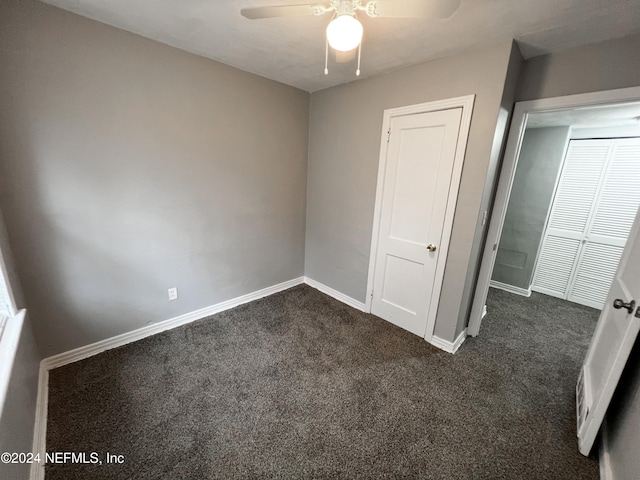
(345, 7)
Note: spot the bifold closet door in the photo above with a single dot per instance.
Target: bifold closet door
(566, 230)
(595, 203)
(613, 214)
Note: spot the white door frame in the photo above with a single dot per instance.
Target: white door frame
(510, 162)
(466, 103)
(4, 277)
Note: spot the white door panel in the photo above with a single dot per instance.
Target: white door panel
(417, 180)
(555, 265)
(578, 186)
(401, 278)
(598, 264)
(620, 196)
(595, 203)
(611, 345)
(576, 192)
(413, 182)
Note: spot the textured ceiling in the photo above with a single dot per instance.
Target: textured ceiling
(291, 50)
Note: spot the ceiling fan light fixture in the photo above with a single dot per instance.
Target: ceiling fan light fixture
(344, 33)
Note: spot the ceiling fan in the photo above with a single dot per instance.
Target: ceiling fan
(344, 32)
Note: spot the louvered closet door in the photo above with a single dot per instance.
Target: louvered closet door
(596, 201)
(614, 211)
(575, 195)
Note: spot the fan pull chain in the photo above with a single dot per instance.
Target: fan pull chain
(359, 52)
(326, 58)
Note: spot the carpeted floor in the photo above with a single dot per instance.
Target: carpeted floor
(298, 385)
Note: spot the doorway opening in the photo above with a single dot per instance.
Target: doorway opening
(543, 132)
(574, 198)
(595, 195)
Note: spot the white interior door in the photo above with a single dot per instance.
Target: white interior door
(416, 188)
(611, 344)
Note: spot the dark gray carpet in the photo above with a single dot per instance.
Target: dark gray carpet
(298, 385)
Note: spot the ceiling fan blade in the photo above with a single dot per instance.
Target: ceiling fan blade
(414, 8)
(279, 11)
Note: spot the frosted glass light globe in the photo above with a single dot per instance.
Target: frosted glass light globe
(344, 33)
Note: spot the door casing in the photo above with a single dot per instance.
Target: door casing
(466, 103)
(521, 113)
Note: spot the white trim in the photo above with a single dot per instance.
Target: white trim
(9, 341)
(450, 347)
(551, 293)
(40, 424)
(125, 338)
(546, 291)
(604, 458)
(466, 103)
(65, 358)
(510, 288)
(352, 302)
(582, 133)
(521, 112)
(3, 321)
(13, 309)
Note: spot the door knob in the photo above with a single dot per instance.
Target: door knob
(619, 303)
(431, 247)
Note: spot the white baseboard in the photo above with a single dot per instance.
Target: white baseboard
(81, 353)
(40, 427)
(93, 349)
(510, 288)
(605, 462)
(40, 424)
(335, 294)
(450, 347)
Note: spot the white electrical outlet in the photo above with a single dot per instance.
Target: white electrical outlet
(173, 293)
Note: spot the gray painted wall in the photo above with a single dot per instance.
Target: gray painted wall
(135, 167)
(591, 68)
(603, 66)
(344, 142)
(490, 185)
(18, 414)
(539, 164)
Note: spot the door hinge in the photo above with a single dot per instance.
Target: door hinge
(388, 134)
(485, 217)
